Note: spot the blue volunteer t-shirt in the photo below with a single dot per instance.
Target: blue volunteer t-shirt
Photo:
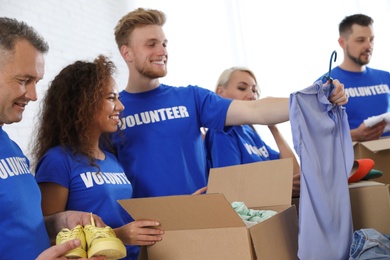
(89, 190)
(236, 145)
(368, 92)
(160, 145)
(22, 225)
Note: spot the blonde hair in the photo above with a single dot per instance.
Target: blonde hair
(137, 18)
(226, 75)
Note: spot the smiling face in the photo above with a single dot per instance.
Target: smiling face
(147, 52)
(107, 118)
(241, 86)
(20, 71)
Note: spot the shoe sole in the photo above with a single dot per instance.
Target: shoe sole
(110, 249)
(76, 253)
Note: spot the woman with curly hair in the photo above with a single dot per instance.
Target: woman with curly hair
(74, 172)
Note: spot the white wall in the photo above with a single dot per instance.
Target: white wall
(79, 29)
(286, 43)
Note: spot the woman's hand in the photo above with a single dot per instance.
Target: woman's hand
(140, 232)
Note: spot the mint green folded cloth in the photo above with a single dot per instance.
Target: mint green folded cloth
(252, 215)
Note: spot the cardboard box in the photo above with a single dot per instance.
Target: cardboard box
(370, 204)
(196, 227)
(379, 151)
(207, 227)
(268, 186)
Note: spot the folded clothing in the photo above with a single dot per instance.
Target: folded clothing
(251, 216)
(373, 120)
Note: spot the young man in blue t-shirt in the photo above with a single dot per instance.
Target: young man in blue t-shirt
(368, 89)
(160, 145)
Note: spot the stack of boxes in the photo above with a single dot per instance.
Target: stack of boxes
(370, 199)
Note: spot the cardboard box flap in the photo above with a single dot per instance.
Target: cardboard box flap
(377, 145)
(256, 184)
(281, 232)
(185, 211)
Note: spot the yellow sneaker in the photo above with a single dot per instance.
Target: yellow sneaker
(68, 234)
(103, 241)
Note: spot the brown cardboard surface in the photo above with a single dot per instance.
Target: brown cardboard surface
(196, 227)
(185, 212)
(257, 184)
(207, 227)
(221, 243)
(379, 151)
(263, 185)
(370, 204)
(277, 237)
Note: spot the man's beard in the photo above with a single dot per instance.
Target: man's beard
(358, 60)
(150, 73)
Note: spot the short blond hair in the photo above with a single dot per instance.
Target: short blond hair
(136, 18)
(226, 75)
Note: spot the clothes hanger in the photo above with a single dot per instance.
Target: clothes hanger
(327, 77)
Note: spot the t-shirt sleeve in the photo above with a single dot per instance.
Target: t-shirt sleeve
(222, 149)
(213, 108)
(53, 167)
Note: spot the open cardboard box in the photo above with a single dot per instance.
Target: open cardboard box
(370, 204)
(207, 227)
(264, 185)
(196, 227)
(379, 151)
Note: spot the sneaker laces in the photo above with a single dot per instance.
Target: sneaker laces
(99, 232)
(69, 233)
(92, 221)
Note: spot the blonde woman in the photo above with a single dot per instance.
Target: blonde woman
(242, 144)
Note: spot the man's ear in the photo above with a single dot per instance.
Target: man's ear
(341, 42)
(126, 53)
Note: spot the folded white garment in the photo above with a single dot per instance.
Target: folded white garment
(373, 120)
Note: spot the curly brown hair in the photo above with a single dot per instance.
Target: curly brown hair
(70, 104)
